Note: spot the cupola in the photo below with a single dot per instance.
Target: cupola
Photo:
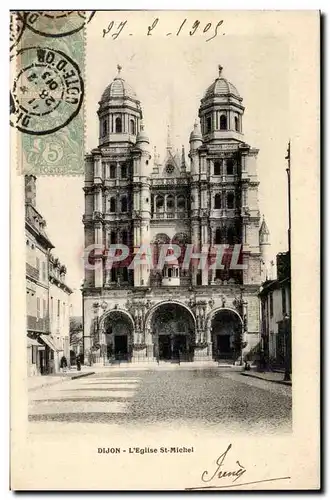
(119, 113)
(221, 111)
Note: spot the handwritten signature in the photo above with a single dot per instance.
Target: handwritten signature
(116, 28)
(220, 473)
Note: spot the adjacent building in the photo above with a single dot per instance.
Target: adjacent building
(135, 198)
(47, 327)
(275, 300)
(59, 310)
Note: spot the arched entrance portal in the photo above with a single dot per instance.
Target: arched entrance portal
(173, 331)
(118, 330)
(226, 328)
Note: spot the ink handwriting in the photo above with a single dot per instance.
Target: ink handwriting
(115, 29)
(219, 472)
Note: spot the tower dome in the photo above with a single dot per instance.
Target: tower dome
(118, 88)
(119, 112)
(221, 111)
(222, 87)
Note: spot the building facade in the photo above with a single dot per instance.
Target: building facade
(275, 300)
(141, 311)
(44, 333)
(59, 311)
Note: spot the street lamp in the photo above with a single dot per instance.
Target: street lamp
(287, 319)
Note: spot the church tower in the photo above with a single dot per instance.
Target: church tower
(224, 198)
(224, 183)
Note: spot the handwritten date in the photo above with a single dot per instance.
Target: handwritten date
(116, 28)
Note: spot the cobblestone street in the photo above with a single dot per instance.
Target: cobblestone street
(210, 398)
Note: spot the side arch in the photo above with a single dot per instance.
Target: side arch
(213, 313)
(107, 314)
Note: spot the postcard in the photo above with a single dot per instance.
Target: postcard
(165, 173)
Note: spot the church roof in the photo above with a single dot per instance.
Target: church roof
(221, 86)
(118, 88)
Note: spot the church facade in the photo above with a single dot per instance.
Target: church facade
(198, 307)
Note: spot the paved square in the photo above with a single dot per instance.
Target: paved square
(200, 398)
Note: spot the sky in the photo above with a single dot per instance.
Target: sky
(170, 75)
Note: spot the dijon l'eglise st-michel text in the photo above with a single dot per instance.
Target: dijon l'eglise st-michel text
(145, 450)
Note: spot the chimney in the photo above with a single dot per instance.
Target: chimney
(30, 189)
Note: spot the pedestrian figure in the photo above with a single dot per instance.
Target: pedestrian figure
(78, 363)
(63, 364)
(247, 366)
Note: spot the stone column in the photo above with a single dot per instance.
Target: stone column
(98, 271)
(98, 199)
(97, 168)
(213, 270)
(196, 245)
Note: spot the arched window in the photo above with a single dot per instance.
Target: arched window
(217, 168)
(113, 237)
(132, 127)
(119, 127)
(230, 167)
(223, 122)
(170, 206)
(113, 171)
(123, 171)
(160, 204)
(231, 236)
(181, 203)
(105, 127)
(124, 204)
(230, 200)
(112, 204)
(217, 201)
(208, 124)
(218, 236)
(170, 272)
(236, 123)
(124, 237)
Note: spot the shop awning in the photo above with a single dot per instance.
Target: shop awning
(47, 339)
(34, 342)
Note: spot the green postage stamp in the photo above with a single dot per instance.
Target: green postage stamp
(47, 93)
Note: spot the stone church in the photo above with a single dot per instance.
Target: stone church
(133, 197)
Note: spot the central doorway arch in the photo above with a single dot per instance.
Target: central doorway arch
(173, 330)
(118, 331)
